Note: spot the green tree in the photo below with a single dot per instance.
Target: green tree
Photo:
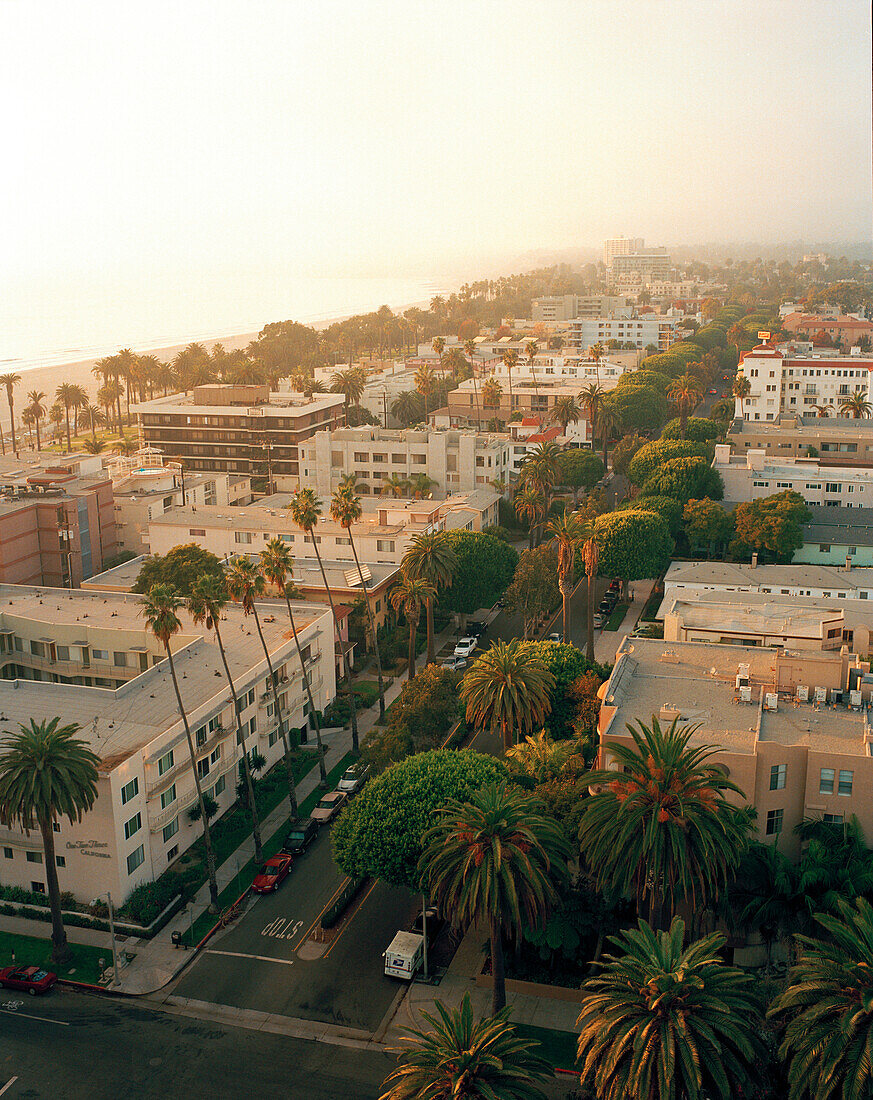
(495, 858)
(484, 571)
(623, 452)
(508, 689)
(665, 1022)
(431, 558)
(698, 429)
(650, 458)
(350, 383)
(637, 407)
(408, 407)
(539, 757)
(380, 833)
(773, 524)
(530, 507)
(409, 595)
(660, 828)
(534, 590)
(180, 568)
(427, 706)
(468, 1059)
(580, 470)
(566, 411)
(828, 1009)
(685, 393)
(47, 772)
(65, 395)
(10, 381)
(707, 524)
(159, 609)
(566, 663)
(37, 410)
(633, 545)
(567, 532)
(856, 406)
(652, 379)
(684, 479)
(394, 485)
(668, 508)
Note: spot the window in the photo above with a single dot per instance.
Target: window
(100, 654)
(135, 859)
(826, 781)
(203, 767)
(119, 660)
(245, 537)
(215, 755)
(774, 822)
(61, 861)
(56, 826)
(173, 852)
(385, 546)
(844, 782)
(37, 887)
(63, 652)
(853, 550)
(168, 797)
(34, 857)
(200, 736)
(361, 456)
(832, 819)
(165, 762)
(273, 738)
(171, 829)
(824, 548)
(195, 531)
(777, 777)
(8, 853)
(133, 826)
(220, 785)
(130, 790)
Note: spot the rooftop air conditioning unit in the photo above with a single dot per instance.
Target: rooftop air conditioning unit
(801, 693)
(855, 700)
(771, 701)
(821, 695)
(745, 695)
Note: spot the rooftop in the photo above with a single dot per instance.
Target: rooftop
(758, 577)
(799, 425)
(852, 526)
(277, 403)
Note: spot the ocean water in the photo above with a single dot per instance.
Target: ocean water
(51, 320)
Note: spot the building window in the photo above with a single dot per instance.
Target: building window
(832, 819)
(61, 861)
(200, 736)
(826, 781)
(135, 859)
(220, 785)
(133, 826)
(8, 853)
(203, 768)
(37, 887)
(165, 762)
(777, 777)
(385, 546)
(215, 755)
(197, 532)
(119, 660)
(34, 857)
(244, 537)
(844, 782)
(173, 852)
(774, 822)
(129, 790)
(171, 829)
(168, 797)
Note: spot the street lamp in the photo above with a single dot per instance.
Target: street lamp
(108, 897)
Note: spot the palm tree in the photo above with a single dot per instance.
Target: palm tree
(10, 381)
(542, 469)
(855, 406)
(37, 408)
(407, 407)
(529, 506)
(660, 1022)
(345, 509)
(206, 605)
(394, 485)
(530, 350)
(56, 417)
(596, 352)
(430, 557)
(567, 532)
(350, 383)
(409, 595)
(508, 689)
(741, 388)
(492, 391)
(685, 393)
(565, 411)
(78, 400)
(591, 399)
(126, 361)
(277, 565)
(439, 346)
(64, 393)
(609, 421)
(159, 609)
(468, 1059)
(126, 446)
(46, 772)
(828, 1006)
(424, 384)
(420, 485)
(305, 508)
(659, 826)
(591, 560)
(822, 411)
(495, 858)
(470, 351)
(95, 417)
(94, 446)
(510, 361)
(766, 896)
(540, 757)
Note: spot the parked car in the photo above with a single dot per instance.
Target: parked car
(273, 873)
(555, 636)
(713, 391)
(33, 979)
(454, 664)
(353, 778)
(475, 628)
(615, 585)
(329, 806)
(435, 925)
(599, 620)
(300, 836)
(606, 607)
(465, 647)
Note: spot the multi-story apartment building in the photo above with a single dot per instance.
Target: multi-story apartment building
(567, 307)
(89, 657)
(528, 397)
(756, 474)
(790, 727)
(650, 264)
(836, 535)
(833, 440)
(817, 582)
(657, 330)
(845, 329)
(621, 246)
(783, 381)
(239, 429)
(457, 461)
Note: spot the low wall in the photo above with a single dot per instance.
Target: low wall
(533, 989)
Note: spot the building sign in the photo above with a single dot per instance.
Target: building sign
(764, 335)
(89, 848)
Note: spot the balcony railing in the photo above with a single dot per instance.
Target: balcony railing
(155, 782)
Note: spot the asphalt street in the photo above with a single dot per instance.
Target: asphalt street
(67, 1046)
(258, 962)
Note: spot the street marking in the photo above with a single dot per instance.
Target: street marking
(8, 1084)
(26, 1016)
(335, 895)
(282, 929)
(358, 908)
(243, 955)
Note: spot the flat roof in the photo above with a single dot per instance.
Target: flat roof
(256, 517)
(742, 615)
(797, 425)
(283, 402)
(734, 573)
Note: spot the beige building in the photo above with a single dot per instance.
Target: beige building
(791, 728)
(839, 441)
(88, 656)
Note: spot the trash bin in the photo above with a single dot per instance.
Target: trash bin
(176, 938)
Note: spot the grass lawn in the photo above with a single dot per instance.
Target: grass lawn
(271, 846)
(81, 967)
(616, 618)
(652, 604)
(557, 1047)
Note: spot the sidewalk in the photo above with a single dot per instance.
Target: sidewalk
(607, 641)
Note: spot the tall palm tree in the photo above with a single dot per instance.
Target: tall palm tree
(159, 609)
(305, 508)
(663, 1022)
(37, 408)
(591, 560)
(567, 533)
(540, 757)
(608, 421)
(530, 506)
(46, 772)
(596, 352)
(56, 417)
(10, 381)
(470, 351)
(856, 406)
(530, 351)
(828, 1006)
(430, 557)
(345, 509)
(495, 858)
(126, 361)
(350, 383)
(542, 470)
(508, 689)
(94, 417)
(277, 565)
(407, 407)
(766, 896)
(394, 485)
(465, 1058)
(78, 400)
(591, 399)
(742, 387)
(65, 394)
(685, 392)
(424, 384)
(206, 606)
(510, 361)
(492, 391)
(409, 595)
(659, 826)
(566, 411)
(439, 346)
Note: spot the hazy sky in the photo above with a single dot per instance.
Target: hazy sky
(399, 135)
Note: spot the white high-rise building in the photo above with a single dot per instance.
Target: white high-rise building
(621, 246)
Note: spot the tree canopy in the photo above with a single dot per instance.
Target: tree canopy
(698, 429)
(633, 544)
(566, 663)
(179, 568)
(668, 508)
(684, 478)
(652, 457)
(484, 570)
(773, 524)
(580, 469)
(638, 407)
(707, 523)
(534, 589)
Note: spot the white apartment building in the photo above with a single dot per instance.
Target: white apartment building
(457, 461)
(621, 246)
(756, 474)
(819, 582)
(784, 381)
(557, 309)
(651, 264)
(658, 330)
(89, 657)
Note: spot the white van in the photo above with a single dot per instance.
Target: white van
(404, 955)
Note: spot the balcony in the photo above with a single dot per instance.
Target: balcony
(155, 782)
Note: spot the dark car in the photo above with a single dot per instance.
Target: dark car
(300, 836)
(615, 585)
(475, 628)
(435, 925)
(31, 978)
(606, 607)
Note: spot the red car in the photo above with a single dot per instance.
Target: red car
(274, 872)
(32, 978)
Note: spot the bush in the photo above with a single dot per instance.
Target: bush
(149, 899)
(348, 895)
